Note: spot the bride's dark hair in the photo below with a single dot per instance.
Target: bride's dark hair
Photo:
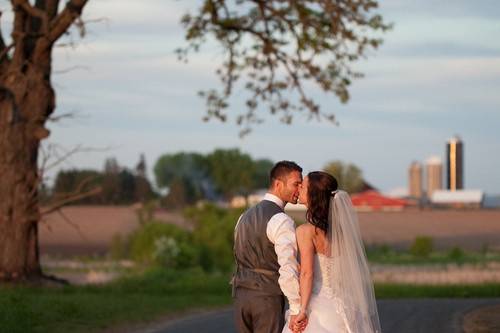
(319, 191)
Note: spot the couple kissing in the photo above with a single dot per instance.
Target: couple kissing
(331, 290)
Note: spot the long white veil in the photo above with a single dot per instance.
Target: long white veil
(350, 273)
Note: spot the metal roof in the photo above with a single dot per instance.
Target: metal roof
(458, 196)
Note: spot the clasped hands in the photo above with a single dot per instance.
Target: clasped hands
(298, 322)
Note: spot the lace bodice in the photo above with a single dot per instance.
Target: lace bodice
(322, 283)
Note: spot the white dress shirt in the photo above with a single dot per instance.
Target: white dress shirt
(281, 232)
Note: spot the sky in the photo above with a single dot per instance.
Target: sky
(436, 75)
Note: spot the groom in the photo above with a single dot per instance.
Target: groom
(265, 250)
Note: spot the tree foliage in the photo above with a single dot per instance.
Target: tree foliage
(262, 168)
(231, 171)
(75, 181)
(278, 46)
(349, 176)
(180, 194)
(223, 172)
(118, 185)
(189, 172)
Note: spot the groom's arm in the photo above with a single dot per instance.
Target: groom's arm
(281, 232)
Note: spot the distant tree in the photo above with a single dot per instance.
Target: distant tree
(143, 190)
(231, 171)
(349, 176)
(77, 181)
(192, 168)
(140, 169)
(111, 181)
(111, 165)
(116, 188)
(126, 190)
(180, 194)
(262, 168)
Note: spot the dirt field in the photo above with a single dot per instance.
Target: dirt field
(469, 229)
(89, 229)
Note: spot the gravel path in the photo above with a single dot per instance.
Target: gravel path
(396, 316)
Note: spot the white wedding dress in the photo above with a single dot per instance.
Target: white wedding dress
(326, 314)
(342, 298)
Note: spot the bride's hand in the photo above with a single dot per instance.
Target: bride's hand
(298, 322)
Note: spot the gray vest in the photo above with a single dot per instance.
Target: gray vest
(256, 260)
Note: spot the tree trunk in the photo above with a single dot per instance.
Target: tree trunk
(26, 101)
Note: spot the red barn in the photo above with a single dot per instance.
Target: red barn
(372, 200)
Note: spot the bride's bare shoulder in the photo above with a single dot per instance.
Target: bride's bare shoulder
(305, 229)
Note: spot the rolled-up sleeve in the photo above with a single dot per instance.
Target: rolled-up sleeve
(281, 232)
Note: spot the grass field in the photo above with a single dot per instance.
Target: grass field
(137, 299)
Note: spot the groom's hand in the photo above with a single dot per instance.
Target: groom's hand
(298, 322)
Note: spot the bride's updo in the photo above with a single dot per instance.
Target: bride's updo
(320, 188)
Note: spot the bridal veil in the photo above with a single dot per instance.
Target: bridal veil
(350, 273)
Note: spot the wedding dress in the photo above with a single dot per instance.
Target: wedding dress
(326, 313)
(342, 298)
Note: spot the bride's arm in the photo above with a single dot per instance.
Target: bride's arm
(306, 248)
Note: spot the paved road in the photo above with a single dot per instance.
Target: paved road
(396, 316)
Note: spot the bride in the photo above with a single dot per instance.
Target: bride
(335, 286)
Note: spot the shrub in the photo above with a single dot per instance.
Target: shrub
(422, 246)
(214, 232)
(118, 248)
(163, 244)
(456, 254)
(209, 246)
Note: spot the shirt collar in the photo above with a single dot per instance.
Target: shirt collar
(275, 199)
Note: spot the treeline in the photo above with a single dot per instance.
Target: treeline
(228, 172)
(182, 178)
(219, 175)
(117, 185)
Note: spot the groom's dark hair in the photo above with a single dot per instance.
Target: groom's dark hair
(281, 169)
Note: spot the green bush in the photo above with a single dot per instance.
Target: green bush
(214, 232)
(209, 246)
(422, 247)
(456, 254)
(164, 244)
(118, 248)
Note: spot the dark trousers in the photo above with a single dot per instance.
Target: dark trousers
(258, 313)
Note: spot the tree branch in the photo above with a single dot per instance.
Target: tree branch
(18, 34)
(5, 51)
(35, 13)
(282, 44)
(71, 198)
(63, 21)
(49, 6)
